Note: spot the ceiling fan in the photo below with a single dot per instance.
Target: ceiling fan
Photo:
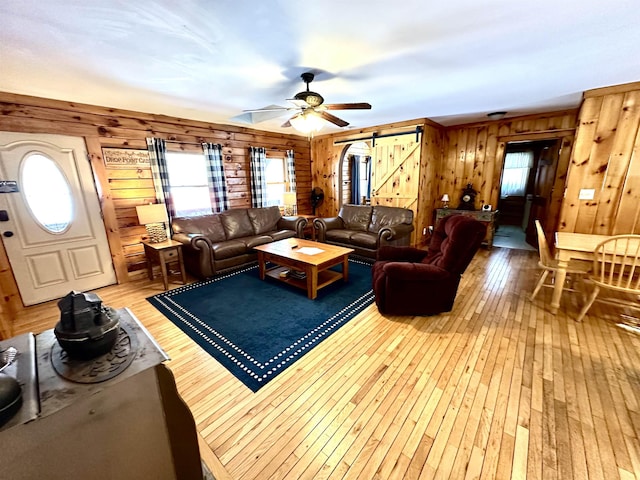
(310, 109)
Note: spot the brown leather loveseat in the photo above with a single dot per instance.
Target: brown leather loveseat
(366, 228)
(212, 243)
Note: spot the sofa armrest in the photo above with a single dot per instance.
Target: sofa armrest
(193, 240)
(322, 225)
(416, 272)
(198, 253)
(293, 223)
(394, 232)
(400, 254)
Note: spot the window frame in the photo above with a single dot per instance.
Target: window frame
(285, 175)
(199, 210)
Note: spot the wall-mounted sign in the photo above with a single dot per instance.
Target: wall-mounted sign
(8, 186)
(125, 158)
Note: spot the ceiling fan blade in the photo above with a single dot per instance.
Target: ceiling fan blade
(347, 106)
(269, 108)
(333, 119)
(298, 103)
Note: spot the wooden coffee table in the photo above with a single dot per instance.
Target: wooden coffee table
(294, 254)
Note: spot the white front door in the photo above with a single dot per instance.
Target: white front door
(52, 226)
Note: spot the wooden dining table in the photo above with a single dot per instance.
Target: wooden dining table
(571, 246)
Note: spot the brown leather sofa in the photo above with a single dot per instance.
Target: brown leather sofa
(366, 228)
(212, 243)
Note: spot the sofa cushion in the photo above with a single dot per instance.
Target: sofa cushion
(236, 223)
(356, 217)
(365, 240)
(256, 240)
(384, 216)
(339, 235)
(207, 225)
(264, 219)
(228, 249)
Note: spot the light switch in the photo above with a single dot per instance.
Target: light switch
(586, 193)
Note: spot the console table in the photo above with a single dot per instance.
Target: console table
(487, 217)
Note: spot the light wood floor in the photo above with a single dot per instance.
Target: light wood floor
(497, 388)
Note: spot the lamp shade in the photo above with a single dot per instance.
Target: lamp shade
(307, 122)
(445, 197)
(289, 198)
(290, 203)
(152, 213)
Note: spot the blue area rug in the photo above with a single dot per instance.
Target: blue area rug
(258, 328)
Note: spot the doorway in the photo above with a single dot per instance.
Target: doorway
(526, 188)
(50, 217)
(355, 174)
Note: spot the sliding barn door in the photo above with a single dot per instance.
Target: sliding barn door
(395, 175)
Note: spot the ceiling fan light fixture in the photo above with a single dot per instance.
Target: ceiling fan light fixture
(307, 122)
(312, 99)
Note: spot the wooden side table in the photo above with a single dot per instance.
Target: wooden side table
(164, 253)
(488, 218)
(309, 230)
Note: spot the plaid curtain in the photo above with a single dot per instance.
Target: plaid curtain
(291, 171)
(368, 160)
(257, 163)
(215, 177)
(157, 148)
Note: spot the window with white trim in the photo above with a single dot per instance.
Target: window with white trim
(188, 183)
(277, 180)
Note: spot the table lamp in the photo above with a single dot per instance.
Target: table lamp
(445, 200)
(153, 217)
(290, 203)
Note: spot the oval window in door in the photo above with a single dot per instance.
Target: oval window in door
(47, 193)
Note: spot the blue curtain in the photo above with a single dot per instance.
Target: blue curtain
(215, 176)
(257, 164)
(368, 159)
(157, 148)
(291, 171)
(355, 179)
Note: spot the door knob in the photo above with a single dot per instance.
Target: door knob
(8, 234)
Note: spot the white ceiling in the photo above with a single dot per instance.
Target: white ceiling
(449, 60)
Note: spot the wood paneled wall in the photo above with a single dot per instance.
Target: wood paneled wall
(453, 157)
(474, 153)
(123, 189)
(326, 163)
(606, 158)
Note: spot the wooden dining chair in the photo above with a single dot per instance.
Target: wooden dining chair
(550, 265)
(616, 267)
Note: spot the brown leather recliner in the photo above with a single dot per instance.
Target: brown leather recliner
(409, 281)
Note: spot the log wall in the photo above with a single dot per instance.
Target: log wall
(325, 165)
(123, 189)
(606, 158)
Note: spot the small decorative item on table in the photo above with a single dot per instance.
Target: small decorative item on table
(468, 198)
(86, 329)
